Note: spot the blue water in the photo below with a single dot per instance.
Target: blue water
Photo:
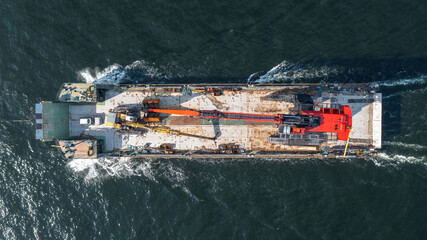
(45, 44)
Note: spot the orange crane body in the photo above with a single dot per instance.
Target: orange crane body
(192, 113)
(331, 120)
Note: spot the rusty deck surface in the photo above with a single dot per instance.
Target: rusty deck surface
(78, 149)
(77, 92)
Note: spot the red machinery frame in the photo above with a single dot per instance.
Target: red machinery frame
(330, 120)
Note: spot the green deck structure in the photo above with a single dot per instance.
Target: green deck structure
(56, 119)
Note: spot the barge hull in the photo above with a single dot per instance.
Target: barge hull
(222, 136)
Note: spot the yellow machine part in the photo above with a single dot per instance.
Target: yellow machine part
(116, 125)
(165, 130)
(155, 129)
(158, 129)
(346, 144)
(151, 101)
(152, 119)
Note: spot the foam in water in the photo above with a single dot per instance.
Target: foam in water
(403, 82)
(289, 72)
(91, 75)
(138, 72)
(294, 72)
(397, 158)
(8, 233)
(406, 145)
(121, 167)
(101, 168)
(400, 91)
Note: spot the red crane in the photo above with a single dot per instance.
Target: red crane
(331, 120)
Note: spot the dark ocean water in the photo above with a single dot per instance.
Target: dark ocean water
(44, 44)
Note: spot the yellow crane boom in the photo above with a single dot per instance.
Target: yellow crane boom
(346, 144)
(114, 122)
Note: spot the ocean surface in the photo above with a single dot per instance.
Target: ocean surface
(46, 43)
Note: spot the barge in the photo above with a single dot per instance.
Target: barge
(213, 120)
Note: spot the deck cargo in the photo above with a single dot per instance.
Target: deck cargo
(235, 120)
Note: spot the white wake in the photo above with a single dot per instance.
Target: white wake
(404, 82)
(397, 158)
(93, 170)
(116, 73)
(289, 72)
(405, 145)
(90, 75)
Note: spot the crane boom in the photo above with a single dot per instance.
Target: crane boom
(331, 120)
(214, 114)
(177, 112)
